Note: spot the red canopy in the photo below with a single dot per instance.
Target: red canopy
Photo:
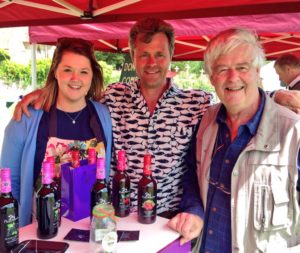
(279, 33)
(51, 12)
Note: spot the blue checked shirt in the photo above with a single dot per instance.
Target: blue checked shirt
(217, 226)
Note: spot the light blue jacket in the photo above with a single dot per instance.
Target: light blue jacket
(18, 151)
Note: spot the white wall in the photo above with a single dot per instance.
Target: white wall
(270, 79)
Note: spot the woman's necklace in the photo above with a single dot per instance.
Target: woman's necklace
(76, 117)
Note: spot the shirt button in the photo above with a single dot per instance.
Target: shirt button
(210, 232)
(235, 173)
(214, 209)
(207, 251)
(227, 135)
(227, 161)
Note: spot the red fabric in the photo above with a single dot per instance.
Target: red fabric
(20, 13)
(279, 33)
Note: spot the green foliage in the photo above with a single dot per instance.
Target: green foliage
(114, 59)
(42, 70)
(14, 73)
(4, 55)
(190, 75)
(109, 73)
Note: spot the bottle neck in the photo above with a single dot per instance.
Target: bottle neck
(46, 179)
(147, 169)
(5, 186)
(100, 173)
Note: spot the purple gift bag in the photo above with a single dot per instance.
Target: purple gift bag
(175, 247)
(76, 187)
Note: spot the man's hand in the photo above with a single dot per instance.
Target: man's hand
(288, 98)
(36, 98)
(187, 224)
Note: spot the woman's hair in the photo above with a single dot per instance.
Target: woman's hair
(77, 46)
(148, 27)
(228, 40)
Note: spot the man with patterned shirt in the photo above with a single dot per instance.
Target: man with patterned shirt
(153, 115)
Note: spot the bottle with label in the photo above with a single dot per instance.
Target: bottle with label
(55, 184)
(91, 156)
(121, 187)
(47, 212)
(103, 230)
(147, 196)
(75, 158)
(9, 215)
(100, 193)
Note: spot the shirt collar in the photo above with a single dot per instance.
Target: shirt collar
(296, 80)
(172, 90)
(253, 123)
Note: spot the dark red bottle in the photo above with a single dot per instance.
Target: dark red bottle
(121, 188)
(55, 184)
(147, 196)
(47, 213)
(75, 158)
(100, 193)
(9, 216)
(91, 156)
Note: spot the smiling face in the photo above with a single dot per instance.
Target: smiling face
(152, 60)
(236, 79)
(74, 76)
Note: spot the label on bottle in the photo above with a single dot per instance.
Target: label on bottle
(124, 199)
(11, 236)
(148, 204)
(109, 242)
(56, 213)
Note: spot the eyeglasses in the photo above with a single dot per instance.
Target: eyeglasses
(66, 42)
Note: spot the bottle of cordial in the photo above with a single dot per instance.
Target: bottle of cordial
(100, 193)
(75, 158)
(121, 187)
(47, 212)
(9, 216)
(91, 156)
(147, 198)
(55, 184)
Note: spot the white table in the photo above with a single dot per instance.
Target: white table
(153, 237)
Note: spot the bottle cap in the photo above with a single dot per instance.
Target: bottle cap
(121, 160)
(100, 165)
(5, 180)
(5, 174)
(47, 173)
(147, 164)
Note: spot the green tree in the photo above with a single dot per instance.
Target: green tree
(114, 59)
(14, 73)
(42, 70)
(110, 74)
(4, 55)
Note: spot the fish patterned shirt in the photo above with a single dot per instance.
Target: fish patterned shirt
(166, 135)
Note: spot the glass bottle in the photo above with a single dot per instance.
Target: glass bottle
(100, 193)
(103, 231)
(91, 156)
(55, 184)
(75, 158)
(121, 187)
(147, 196)
(47, 213)
(9, 215)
